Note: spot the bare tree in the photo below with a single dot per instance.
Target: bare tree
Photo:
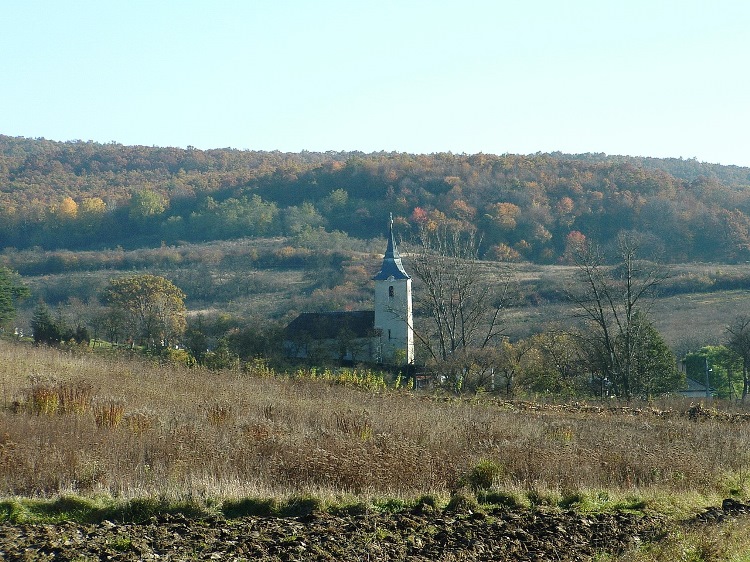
(459, 299)
(607, 300)
(739, 342)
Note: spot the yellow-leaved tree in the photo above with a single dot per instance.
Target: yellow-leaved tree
(151, 309)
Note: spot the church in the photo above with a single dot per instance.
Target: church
(384, 335)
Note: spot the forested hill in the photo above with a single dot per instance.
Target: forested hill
(89, 195)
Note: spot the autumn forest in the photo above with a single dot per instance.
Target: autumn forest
(84, 195)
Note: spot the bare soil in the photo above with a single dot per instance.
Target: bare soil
(420, 535)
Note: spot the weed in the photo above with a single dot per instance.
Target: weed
(47, 396)
(503, 499)
(538, 498)
(75, 397)
(109, 413)
(121, 543)
(572, 499)
(138, 510)
(300, 506)
(426, 504)
(389, 505)
(219, 413)
(287, 434)
(631, 503)
(356, 424)
(140, 422)
(13, 511)
(261, 507)
(42, 398)
(355, 508)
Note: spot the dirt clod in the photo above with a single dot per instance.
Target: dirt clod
(502, 535)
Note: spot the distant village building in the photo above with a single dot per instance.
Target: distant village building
(385, 335)
(696, 389)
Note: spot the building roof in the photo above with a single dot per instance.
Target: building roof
(392, 266)
(329, 325)
(693, 385)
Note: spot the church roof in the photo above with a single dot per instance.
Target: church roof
(329, 325)
(392, 266)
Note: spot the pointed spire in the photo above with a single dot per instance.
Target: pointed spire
(391, 250)
(392, 266)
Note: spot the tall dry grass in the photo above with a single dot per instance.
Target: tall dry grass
(159, 430)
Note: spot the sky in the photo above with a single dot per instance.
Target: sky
(636, 77)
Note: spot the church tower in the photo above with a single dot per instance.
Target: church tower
(393, 310)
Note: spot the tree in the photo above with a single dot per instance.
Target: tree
(53, 331)
(463, 305)
(152, 308)
(715, 363)
(554, 365)
(654, 370)
(12, 290)
(738, 333)
(146, 204)
(296, 219)
(44, 327)
(91, 215)
(607, 301)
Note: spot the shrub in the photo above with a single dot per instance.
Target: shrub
(462, 503)
(426, 504)
(483, 475)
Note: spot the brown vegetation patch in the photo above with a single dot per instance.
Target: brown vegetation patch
(177, 432)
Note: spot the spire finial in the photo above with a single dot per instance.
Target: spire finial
(391, 223)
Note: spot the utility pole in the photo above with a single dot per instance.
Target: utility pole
(708, 386)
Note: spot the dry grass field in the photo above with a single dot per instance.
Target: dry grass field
(89, 424)
(115, 429)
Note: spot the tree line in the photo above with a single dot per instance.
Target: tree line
(613, 350)
(529, 207)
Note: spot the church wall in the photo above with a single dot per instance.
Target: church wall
(394, 320)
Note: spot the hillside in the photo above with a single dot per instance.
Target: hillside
(79, 195)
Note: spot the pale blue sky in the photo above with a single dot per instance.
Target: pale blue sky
(641, 77)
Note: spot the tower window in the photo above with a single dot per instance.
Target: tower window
(389, 334)
(390, 291)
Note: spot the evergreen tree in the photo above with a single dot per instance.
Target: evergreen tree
(45, 329)
(11, 291)
(654, 367)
